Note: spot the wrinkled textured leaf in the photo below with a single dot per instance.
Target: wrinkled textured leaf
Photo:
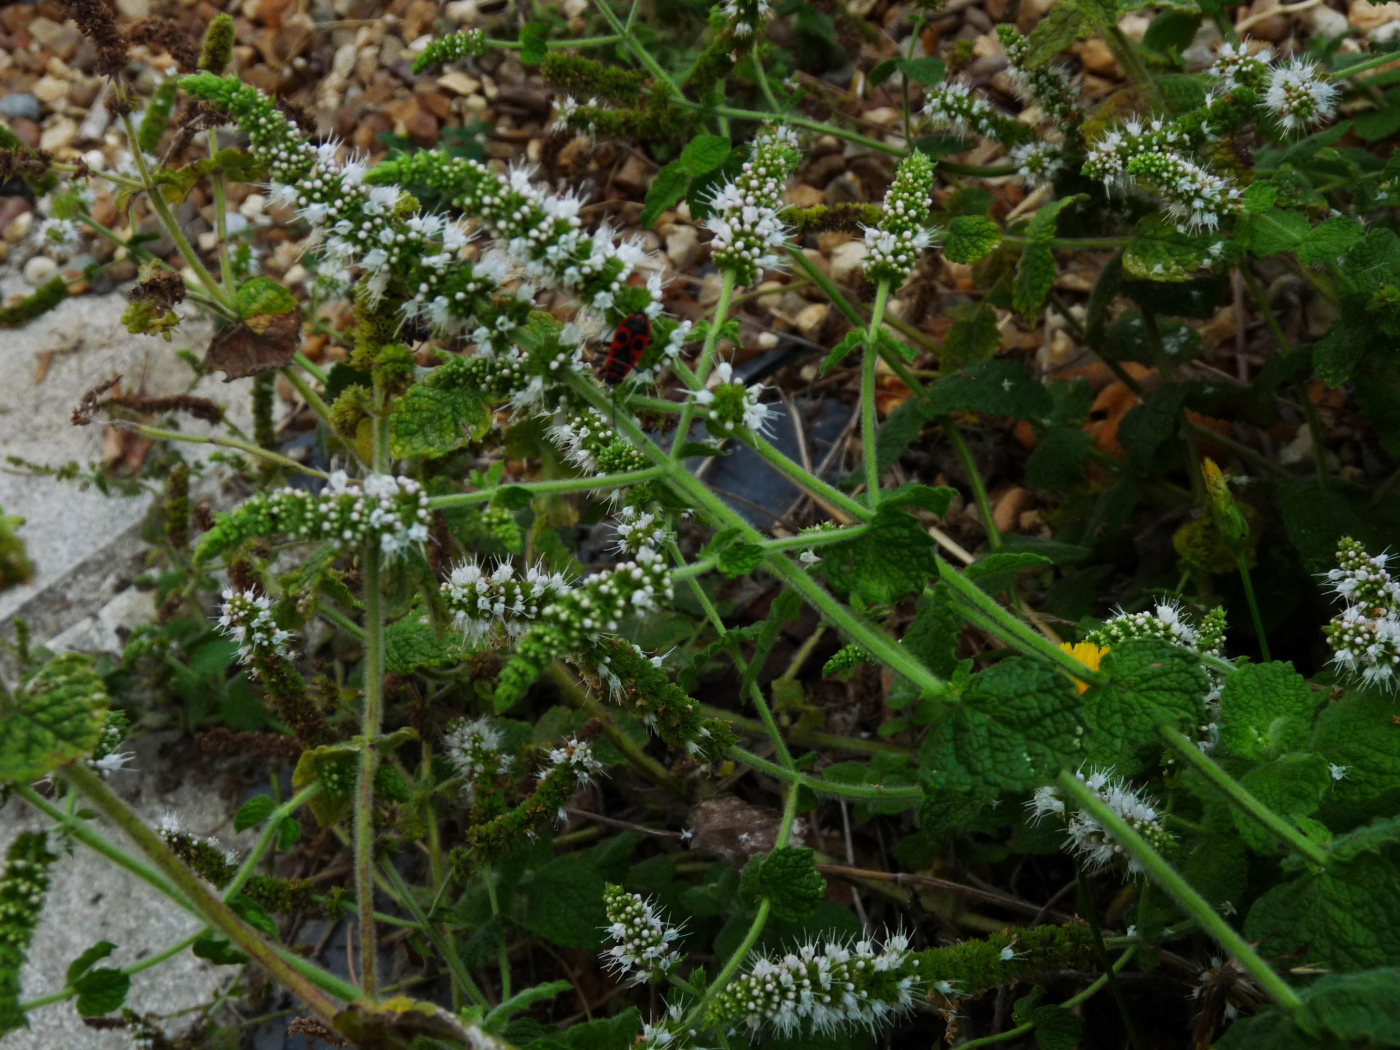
(53, 718)
(101, 991)
(995, 388)
(970, 237)
(1266, 710)
(1056, 1028)
(1346, 917)
(428, 421)
(1151, 683)
(665, 192)
(1292, 786)
(1058, 460)
(1359, 734)
(1364, 1006)
(891, 560)
(1330, 240)
(789, 878)
(1036, 270)
(411, 644)
(85, 962)
(1015, 728)
(933, 636)
(566, 903)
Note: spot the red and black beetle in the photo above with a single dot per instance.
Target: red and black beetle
(629, 343)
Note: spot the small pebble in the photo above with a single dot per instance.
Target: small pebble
(19, 227)
(38, 270)
(21, 104)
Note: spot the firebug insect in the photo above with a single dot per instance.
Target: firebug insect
(629, 343)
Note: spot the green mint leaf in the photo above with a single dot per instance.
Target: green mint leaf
(532, 46)
(1328, 241)
(512, 497)
(1217, 868)
(240, 165)
(217, 950)
(995, 388)
(85, 962)
(1358, 734)
(925, 497)
(1346, 917)
(1024, 1007)
(853, 340)
(334, 765)
(996, 572)
(253, 812)
(263, 297)
(933, 636)
(1354, 1007)
(974, 335)
(1066, 23)
(1057, 1028)
(1037, 269)
(1276, 230)
(252, 913)
(1058, 460)
(897, 433)
(1266, 710)
(1150, 424)
(606, 1033)
(411, 645)
(1316, 516)
(882, 72)
(1259, 197)
(1270, 1029)
(739, 559)
(53, 718)
(790, 880)
(1015, 728)
(101, 991)
(704, 153)
(665, 192)
(428, 421)
(566, 903)
(1161, 252)
(892, 559)
(1369, 838)
(926, 70)
(722, 539)
(1292, 786)
(1151, 683)
(970, 237)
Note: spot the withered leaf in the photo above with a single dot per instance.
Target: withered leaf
(262, 343)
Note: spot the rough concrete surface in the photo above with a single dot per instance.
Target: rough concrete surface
(92, 900)
(86, 551)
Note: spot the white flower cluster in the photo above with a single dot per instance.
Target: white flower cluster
(1154, 154)
(729, 404)
(894, 245)
(669, 1033)
(497, 605)
(1166, 621)
(106, 758)
(1037, 162)
(590, 441)
(642, 939)
(819, 988)
(1046, 86)
(1095, 845)
(576, 756)
(1365, 636)
(393, 508)
(1301, 95)
(1237, 66)
(247, 620)
(635, 586)
(951, 106)
(746, 16)
(746, 219)
(474, 749)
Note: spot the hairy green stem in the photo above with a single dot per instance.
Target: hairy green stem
(1237, 794)
(802, 541)
(161, 434)
(974, 478)
(1164, 874)
(549, 488)
(502, 954)
(814, 486)
(371, 724)
(868, 408)
(131, 971)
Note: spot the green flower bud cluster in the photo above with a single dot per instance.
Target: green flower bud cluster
(1165, 621)
(570, 766)
(822, 987)
(1016, 954)
(585, 78)
(637, 684)
(591, 442)
(731, 406)
(453, 48)
(745, 216)
(1365, 636)
(642, 939)
(494, 605)
(23, 886)
(275, 141)
(218, 867)
(246, 619)
(894, 245)
(951, 106)
(393, 512)
(1046, 86)
(844, 662)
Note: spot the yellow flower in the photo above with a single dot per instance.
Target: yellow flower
(1088, 654)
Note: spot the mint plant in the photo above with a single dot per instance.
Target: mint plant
(1230, 805)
